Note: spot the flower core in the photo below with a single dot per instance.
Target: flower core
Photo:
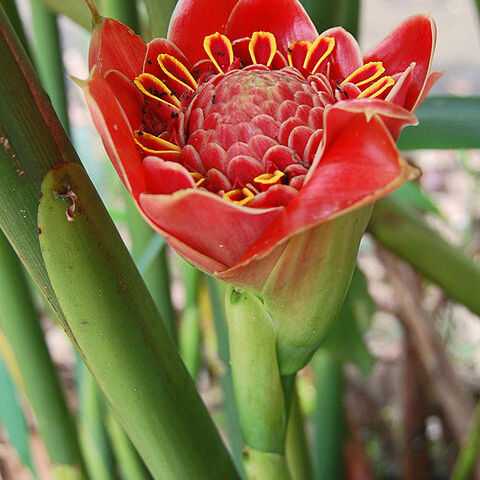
(246, 123)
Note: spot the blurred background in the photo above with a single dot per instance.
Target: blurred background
(390, 395)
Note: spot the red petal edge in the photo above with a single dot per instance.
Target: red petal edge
(114, 46)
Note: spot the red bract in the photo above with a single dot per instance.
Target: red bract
(246, 127)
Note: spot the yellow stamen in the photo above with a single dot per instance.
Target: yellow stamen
(165, 61)
(218, 45)
(378, 87)
(151, 144)
(377, 68)
(198, 178)
(321, 43)
(269, 178)
(239, 196)
(293, 47)
(154, 88)
(263, 39)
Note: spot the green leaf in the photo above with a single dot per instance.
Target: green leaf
(403, 230)
(445, 122)
(121, 335)
(345, 340)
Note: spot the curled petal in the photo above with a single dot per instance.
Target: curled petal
(186, 216)
(346, 56)
(355, 146)
(114, 46)
(166, 177)
(161, 46)
(412, 41)
(114, 127)
(286, 19)
(193, 20)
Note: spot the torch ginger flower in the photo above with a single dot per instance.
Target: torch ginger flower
(246, 129)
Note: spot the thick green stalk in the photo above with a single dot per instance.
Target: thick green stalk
(121, 335)
(297, 448)
(93, 440)
(32, 140)
(469, 455)
(159, 13)
(329, 420)
(48, 58)
(157, 273)
(10, 7)
(21, 325)
(230, 405)
(129, 463)
(403, 231)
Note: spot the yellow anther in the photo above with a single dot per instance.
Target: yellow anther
(198, 178)
(377, 88)
(176, 70)
(259, 41)
(269, 178)
(151, 144)
(374, 68)
(240, 196)
(154, 88)
(321, 44)
(218, 47)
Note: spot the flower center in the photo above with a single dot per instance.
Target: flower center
(247, 122)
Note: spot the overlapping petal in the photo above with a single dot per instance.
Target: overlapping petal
(413, 41)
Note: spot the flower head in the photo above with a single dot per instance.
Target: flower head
(246, 127)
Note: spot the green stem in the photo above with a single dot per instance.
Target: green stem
(403, 231)
(21, 325)
(468, 458)
(297, 449)
(329, 416)
(74, 9)
(48, 58)
(230, 405)
(121, 336)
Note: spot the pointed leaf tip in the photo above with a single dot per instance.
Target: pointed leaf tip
(96, 17)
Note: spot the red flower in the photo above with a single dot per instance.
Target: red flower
(245, 127)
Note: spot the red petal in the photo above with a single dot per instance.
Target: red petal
(155, 48)
(128, 95)
(216, 231)
(166, 177)
(346, 55)
(394, 117)
(360, 164)
(114, 46)
(412, 41)
(276, 196)
(115, 130)
(193, 20)
(286, 19)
